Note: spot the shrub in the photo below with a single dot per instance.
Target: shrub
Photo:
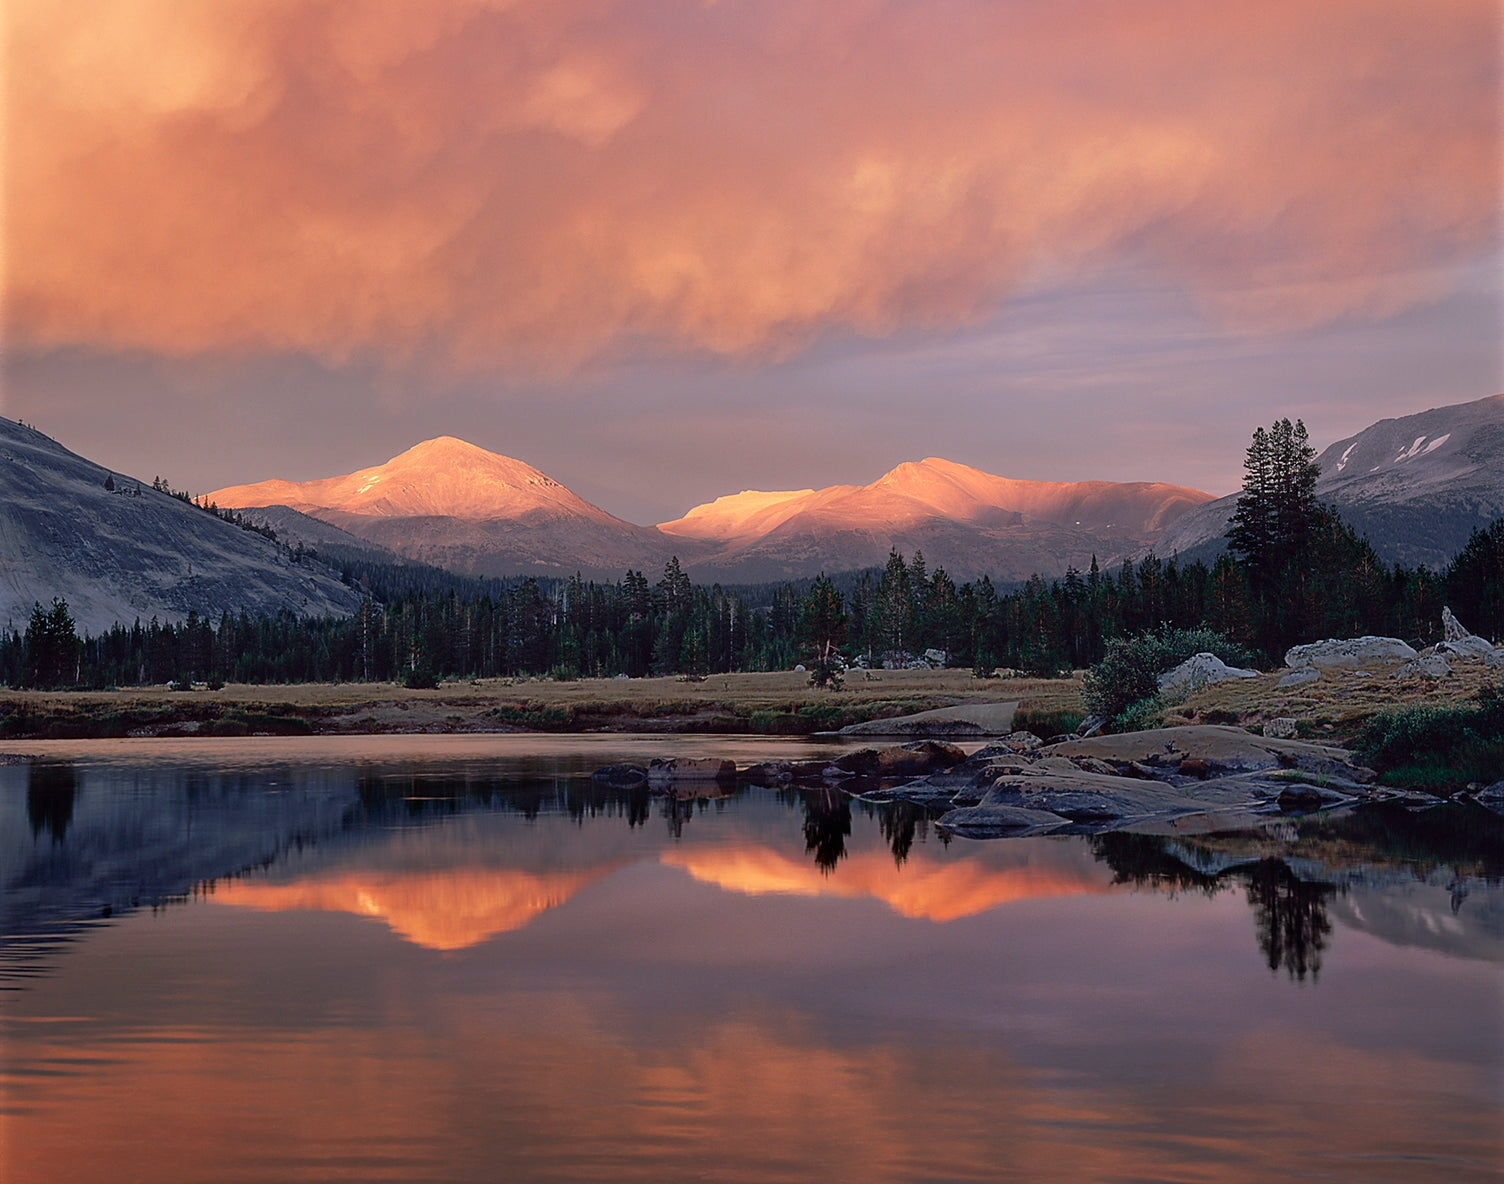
(1438, 749)
(1046, 723)
(1129, 671)
(1140, 716)
(421, 678)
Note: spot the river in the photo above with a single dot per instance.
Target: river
(455, 958)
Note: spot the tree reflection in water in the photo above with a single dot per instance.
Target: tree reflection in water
(827, 822)
(51, 788)
(1289, 913)
(1290, 916)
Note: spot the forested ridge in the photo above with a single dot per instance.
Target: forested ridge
(1294, 573)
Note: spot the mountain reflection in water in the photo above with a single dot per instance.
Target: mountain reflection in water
(469, 966)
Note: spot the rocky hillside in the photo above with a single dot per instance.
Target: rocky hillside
(131, 551)
(1417, 486)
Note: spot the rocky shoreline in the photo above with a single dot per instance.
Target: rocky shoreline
(1178, 780)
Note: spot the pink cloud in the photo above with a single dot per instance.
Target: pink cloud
(529, 184)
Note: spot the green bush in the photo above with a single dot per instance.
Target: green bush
(1046, 724)
(1437, 749)
(421, 678)
(1140, 716)
(1128, 674)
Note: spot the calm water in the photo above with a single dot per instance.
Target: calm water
(446, 958)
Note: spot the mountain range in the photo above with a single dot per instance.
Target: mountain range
(117, 550)
(1416, 486)
(454, 505)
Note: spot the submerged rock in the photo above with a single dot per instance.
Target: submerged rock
(998, 821)
(903, 760)
(769, 773)
(666, 772)
(620, 776)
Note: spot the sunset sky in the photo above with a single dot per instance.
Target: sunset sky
(669, 249)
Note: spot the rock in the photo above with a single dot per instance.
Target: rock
(1223, 749)
(620, 776)
(1299, 798)
(985, 822)
(1091, 764)
(1200, 670)
(1302, 795)
(807, 771)
(1458, 642)
(1353, 652)
(769, 773)
(1299, 678)
(906, 760)
(1494, 660)
(1431, 666)
(1466, 647)
(799, 668)
(937, 657)
(1491, 797)
(1194, 767)
(665, 772)
(1451, 627)
(972, 719)
(1091, 725)
(1281, 728)
(1491, 793)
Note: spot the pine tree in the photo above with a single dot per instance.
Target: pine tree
(822, 629)
(1277, 514)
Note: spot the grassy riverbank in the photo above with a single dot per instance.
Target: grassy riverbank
(779, 703)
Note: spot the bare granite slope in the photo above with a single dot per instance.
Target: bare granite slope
(132, 552)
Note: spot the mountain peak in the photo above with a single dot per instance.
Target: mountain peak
(442, 477)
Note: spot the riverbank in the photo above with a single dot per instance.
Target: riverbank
(776, 703)
(1332, 710)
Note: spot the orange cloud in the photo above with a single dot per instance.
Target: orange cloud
(539, 183)
(447, 910)
(936, 891)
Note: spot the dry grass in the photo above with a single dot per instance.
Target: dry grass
(1336, 705)
(723, 702)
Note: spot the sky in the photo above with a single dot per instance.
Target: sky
(670, 249)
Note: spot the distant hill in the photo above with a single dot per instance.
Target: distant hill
(451, 504)
(1416, 486)
(970, 522)
(116, 555)
(448, 503)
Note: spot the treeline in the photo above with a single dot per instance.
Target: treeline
(1333, 586)
(1294, 573)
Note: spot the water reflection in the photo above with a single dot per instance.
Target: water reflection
(50, 789)
(479, 970)
(827, 823)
